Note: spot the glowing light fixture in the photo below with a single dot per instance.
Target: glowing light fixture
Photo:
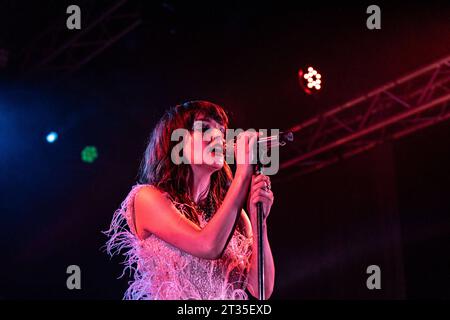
(89, 154)
(51, 137)
(310, 80)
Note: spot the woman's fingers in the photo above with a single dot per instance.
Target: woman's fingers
(259, 185)
(262, 185)
(259, 177)
(245, 152)
(260, 192)
(261, 181)
(262, 196)
(266, 202)
(266, 198)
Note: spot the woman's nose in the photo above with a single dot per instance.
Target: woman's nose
(218, 139)
(216, 135)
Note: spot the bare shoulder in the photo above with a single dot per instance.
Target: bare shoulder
(150, 194)
(149, 202)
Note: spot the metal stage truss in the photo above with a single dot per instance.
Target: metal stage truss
(64, 51)
(401, 107)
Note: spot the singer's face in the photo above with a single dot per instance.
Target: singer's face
(206, 144)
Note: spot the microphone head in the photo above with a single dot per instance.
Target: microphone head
(269, 142)
(286, 136)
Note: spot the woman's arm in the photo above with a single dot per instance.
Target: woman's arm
(156, 214)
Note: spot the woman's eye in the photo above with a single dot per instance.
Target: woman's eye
(203, 128)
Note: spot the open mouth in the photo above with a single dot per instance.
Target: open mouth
(216, 149)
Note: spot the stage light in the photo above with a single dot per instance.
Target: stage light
(310, 81)
(52, 137)
(89, 154)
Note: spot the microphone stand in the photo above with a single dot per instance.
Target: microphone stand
(280, 140)
(259, 223)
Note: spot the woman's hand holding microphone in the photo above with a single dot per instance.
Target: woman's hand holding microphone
(260, 186)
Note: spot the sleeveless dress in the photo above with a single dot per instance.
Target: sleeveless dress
(160, 271)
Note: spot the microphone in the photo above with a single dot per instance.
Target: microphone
(278, 140)
(269, 142)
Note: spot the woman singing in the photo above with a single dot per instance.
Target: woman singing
(183, 228)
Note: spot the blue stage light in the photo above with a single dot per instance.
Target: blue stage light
(52, 137)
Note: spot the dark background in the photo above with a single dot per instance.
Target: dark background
(388, 207)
